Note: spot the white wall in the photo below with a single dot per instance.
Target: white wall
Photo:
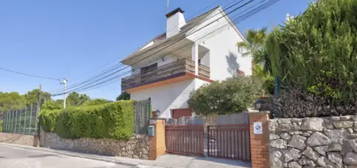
(167, 97)
(221, 39)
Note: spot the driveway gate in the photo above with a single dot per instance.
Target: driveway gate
(222, 141)
(185, 139)
(229, 141)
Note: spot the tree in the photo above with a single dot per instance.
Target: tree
(316, 54)
(11, 101)
(230, 96)
(123, 96)
(37, 96)
(255, 46)
(75, 99)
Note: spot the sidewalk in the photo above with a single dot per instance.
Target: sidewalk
(165, 161)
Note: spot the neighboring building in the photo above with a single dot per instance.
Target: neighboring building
(187, 56)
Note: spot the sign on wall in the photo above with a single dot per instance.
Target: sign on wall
(258, 128)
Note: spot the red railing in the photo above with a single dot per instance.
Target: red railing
(229, 141)
(185, 139)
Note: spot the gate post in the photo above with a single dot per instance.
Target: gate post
(259, 139)
(157, 142)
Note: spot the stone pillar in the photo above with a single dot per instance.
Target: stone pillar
(157, 142)
(259, 139)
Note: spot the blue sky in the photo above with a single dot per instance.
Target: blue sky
(76, 39)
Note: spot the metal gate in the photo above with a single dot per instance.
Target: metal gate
(222, 141)
(229, 141)
(142, 116)
(23, 121)
(185, 139)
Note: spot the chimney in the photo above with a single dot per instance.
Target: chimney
(175, 20)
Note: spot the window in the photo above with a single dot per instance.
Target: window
(149, 68)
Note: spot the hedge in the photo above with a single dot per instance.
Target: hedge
(111, 120)
(1, 122)
(315, 57)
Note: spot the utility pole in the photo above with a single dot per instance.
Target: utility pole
(64, 82)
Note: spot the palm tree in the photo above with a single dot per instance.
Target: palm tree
(255, 46)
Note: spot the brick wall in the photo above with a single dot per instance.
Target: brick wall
(157, 142)
(20, 139)
(259, 143)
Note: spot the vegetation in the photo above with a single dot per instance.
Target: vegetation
(229, 96)
(12, 100)
(36, 95)
(123, 96)
(48, 115)
(76, 99)
(316, 54)
(110, 120)
(1, 123)
(96, 102)
(255, 47)
(15, 101)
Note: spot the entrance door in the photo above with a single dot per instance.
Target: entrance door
(142, 116)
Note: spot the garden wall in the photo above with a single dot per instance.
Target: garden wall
(313, 142)
(136, 147)
(20, 139)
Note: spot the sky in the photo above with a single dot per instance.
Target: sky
(76, 39)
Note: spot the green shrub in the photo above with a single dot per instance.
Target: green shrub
(110, 120)
(229, 96)
(47, 119)
(96, 102)
(1, 122)
(48, 115)
(316, 52)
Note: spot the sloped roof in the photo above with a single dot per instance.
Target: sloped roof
(161, 39)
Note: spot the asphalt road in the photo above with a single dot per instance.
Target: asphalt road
(16, 157)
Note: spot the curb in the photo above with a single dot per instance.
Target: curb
(73, 154)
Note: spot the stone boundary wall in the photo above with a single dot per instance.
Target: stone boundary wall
(20, 139)
(136, 147)
(313, 142)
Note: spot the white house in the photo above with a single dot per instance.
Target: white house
(189, 55)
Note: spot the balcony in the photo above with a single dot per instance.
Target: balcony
(171, 70)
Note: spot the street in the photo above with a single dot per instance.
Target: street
(15, 157)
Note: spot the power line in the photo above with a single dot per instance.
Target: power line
(115, 77)
(28, 75)
(88, 82)
(110, 77)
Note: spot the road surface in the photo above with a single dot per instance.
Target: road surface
(16, 157)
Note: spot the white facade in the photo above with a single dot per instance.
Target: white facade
(167, 97)
(221, 38)
(214, 45)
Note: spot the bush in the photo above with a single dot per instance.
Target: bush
(316, 52)
(96, 102)
(229, 96)
(1, 122)
(47, 119)
(48, 115)
(111, 120)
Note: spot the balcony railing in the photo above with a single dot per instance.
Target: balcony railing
(170, 70)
